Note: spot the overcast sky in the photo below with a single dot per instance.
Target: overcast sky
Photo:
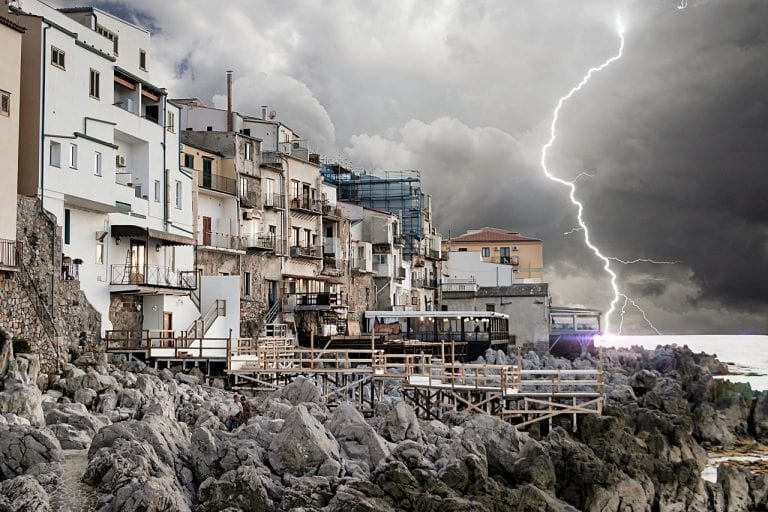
(675, 134)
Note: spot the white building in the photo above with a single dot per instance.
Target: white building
(100, 149)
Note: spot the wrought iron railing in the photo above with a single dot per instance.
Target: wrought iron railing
(312, 251)
(218, 183)
(319, 299)
(266, 242)
(274, 201)
(9, 252)
(154, 275)
(306, 204)
(221, 240)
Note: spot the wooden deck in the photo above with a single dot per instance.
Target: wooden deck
(433, 385)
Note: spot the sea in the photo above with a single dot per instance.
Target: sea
(746, 355)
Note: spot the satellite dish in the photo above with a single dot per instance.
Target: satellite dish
(272, 114)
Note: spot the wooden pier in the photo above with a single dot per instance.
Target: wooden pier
(432, 385)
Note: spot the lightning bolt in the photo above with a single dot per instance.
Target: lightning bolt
(642, 260)
(628, 299)
(623, 310)
(572, 231)
(571, 184)
(683, 5)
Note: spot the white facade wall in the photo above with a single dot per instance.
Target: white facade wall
(469, 265)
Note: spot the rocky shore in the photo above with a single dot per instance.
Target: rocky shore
(127, 437)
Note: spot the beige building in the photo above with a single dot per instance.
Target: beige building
(523, 255)
(10, 79)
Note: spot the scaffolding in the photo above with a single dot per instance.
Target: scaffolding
(397, 192)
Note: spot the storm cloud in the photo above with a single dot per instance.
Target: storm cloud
(675, 134)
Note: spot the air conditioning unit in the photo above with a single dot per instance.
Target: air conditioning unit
(496, 249)
(247, 215)
(515, 248)
(120, 161)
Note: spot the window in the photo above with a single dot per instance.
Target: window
(307, 237)
(249, 151)
(157, 191)
(97, 163)
(142, 60)
(109, 35)
(189, 161)
(67, 225)
(73, 156)
(94, 84)
(295, 187)
(380, 259)
(5, 103)
(57, 57)
(243, 187)
(486, 252)
(55, 154)
(178, 194)
(247, 284)
(462, 249)
(296, 236)
(100, 252)
(170, 122)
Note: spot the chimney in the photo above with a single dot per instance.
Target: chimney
(230, 127)
(264, 112)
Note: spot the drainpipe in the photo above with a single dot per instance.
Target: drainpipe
(165, 169)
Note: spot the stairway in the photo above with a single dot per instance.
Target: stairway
(200, 327)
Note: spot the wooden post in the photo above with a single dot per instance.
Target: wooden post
(312, 346)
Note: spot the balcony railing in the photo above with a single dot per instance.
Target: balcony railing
(154, 275)
(276, 201)
(459, 285)
(264, 242)
(361, 264)
(218, 183)
(221, 240)
(319, 300)
(424, 283)
(331, 210)
(9, 253)
(306, 204)
(400, 273)
(432, 254)
(312, 251)
(398, 240)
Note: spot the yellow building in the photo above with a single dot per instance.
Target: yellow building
(10, 79)
(504, 247)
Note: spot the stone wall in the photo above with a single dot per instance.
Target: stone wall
(125, 313)
(361, 295)
(17, 316)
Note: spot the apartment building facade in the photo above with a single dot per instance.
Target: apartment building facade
(99, 148)
(10, 84)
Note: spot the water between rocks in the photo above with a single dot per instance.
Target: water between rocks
(73, 495)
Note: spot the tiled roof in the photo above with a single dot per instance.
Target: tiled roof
(8, 23)
(493, 235)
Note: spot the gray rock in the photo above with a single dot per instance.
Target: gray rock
(86, 396)
(21, 396)
(22, 448)
(401, 423)
(301, 390)
(71, 438)
(74, 414)
(304, 447)
(358, 440)
(23, 494)
(192, 380)
(242, 488)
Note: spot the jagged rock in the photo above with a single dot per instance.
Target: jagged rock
(99, 382)
(301, 390)
(401, 423)
(89, 359)
(349, 498)
(711, 427)
(358, 440)
(23, 494)
(398, 483)
(192, 380)
(21, 395)
(75, 415)
(165, 375)
(86, 396)
(12, 419)
(242, 488)
(304, 447)
(621, 393)
(71, 438)
(6, 354)
(22, 448)
(500, 439)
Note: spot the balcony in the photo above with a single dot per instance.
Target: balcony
(398, 240)
(323, 300)
(217, 183)
(314, 252)
(424, 283)
(276, 201)
(400, 274)
(154, 276)
(432, 254)
(221, 241)
(459, 285)
(263, 242)
(332, 211)
(306, 205)
(362, 265)
(9, 254)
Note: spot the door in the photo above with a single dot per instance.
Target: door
(206, 231)
(137, 262)
(167, 329)
(207, 173)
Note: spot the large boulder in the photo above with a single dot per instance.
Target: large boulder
(74, 414)
(23, 494)
(21, 395)
(401, 423)
(304, 447)
(242, 488)
(358, 440)
(27, 450)
(300, 390)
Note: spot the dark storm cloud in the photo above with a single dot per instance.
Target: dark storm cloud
(674, 133)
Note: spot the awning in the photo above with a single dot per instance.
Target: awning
(128, 230)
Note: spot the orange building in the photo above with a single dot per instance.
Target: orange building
(502, 246)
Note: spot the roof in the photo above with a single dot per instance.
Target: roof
(8, 23)
(493, 235)
(434, 314)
